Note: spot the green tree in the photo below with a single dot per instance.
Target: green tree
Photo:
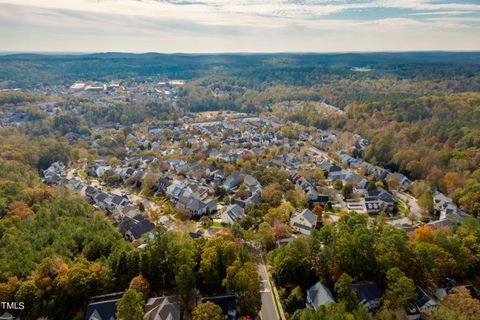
(217, 255)
(345, 293)
(347, 191)
(400, 289)
(290, 264)
(295, 300)
(130, 306)
(28, 294)
(186, 281)
(425, 201)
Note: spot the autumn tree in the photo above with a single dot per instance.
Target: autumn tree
(272, 195)
(243, 278)
(318, 211)
(458, 304)
(20, 209)
(140, 284)
(183, 214)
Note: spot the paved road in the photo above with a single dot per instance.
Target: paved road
(268, 311)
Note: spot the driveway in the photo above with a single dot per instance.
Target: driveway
(412, 202)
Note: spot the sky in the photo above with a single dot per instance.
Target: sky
(212, 26)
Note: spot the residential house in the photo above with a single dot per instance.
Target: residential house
(318, 295)
(371, 205)
(178, 189)
(103, 310)
(314, 198)
(361, 187)
(116, 203)
(233, 180)
(196, 206)
(233, 214)
(100, 170)
(133, 228)
(162, 184)
(400, 180)
(422, 304)
(348, 160)
(339, 175)
(101, 200)
(446, 207)
(368, 294)
(163, 308)
(352, 179)
(304, 222)
(251, 183)
(386, 198)
(380, 173)
(285, 241)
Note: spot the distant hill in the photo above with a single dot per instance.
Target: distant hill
(22, 70)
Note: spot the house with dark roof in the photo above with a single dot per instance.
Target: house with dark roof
(314, 198)
(133, 228)
(318, 295)
(422, 304)
(116, 203)
(371, 205)
(284, 242)
(103, 310)
(380, 173)
(196, 206)
(368, 294)
(385, 197)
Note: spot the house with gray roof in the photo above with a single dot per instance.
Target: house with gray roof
(233, 180)
(163, 308)
(318, 295)
(233, 214)
(303, 222)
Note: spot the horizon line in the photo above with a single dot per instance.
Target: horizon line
(18, 52)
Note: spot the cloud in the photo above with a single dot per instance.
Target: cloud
(238, 25)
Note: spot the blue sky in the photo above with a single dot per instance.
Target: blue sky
(239, 25)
